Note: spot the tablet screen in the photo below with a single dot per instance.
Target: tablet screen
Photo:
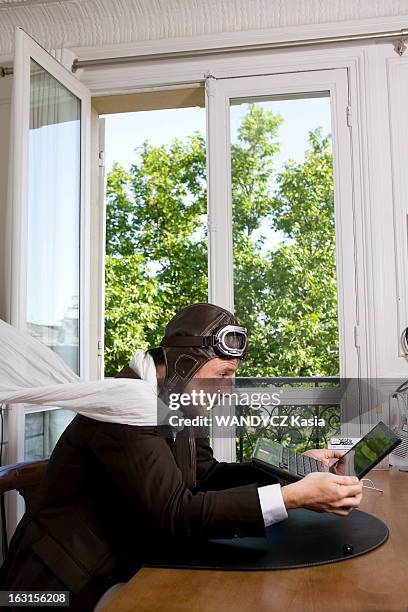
(367, 452)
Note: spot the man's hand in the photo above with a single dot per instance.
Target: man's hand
(324, 492)
(325, 455)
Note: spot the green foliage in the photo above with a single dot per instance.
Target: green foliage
(156, 245)
(132, 308)
(288, 295)
(157, 248)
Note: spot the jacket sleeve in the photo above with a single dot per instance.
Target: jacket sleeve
(215, 475)
(140, 461)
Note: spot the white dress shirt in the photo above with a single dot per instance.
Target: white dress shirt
(272, 505)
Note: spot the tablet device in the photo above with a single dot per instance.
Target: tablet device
(369, 451)
(290, 465)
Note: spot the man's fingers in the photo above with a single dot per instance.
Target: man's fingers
(349, 490)
(348, 502)
(331, 453)
(345, 480)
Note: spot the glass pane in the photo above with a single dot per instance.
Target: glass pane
(285, 288)
(53, 216)
(42, 430)
(53, 223)
(284, 235)
(156, 225)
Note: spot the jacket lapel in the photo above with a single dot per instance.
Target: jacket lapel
(183, 447)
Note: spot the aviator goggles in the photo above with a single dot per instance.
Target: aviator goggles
(227, 341)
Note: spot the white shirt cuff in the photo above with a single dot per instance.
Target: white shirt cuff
(272, 505)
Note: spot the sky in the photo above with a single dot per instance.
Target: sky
(125, 131)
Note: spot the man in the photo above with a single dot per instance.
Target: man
(112, 491)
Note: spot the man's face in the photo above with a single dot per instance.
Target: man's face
(218, 368)
(218, 374)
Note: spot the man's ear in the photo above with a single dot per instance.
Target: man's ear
(160, 371)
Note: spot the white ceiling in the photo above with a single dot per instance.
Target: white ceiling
(13, 3)
(70, 23)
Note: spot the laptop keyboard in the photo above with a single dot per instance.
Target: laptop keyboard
(298, 463)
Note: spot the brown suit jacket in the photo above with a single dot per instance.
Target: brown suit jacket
(112, 490)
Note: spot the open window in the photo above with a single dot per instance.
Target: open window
(48, 250)
(280, 202)
(154, 215)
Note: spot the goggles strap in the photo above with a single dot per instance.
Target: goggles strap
(187, 341)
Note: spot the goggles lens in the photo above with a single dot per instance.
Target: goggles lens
(231, 340)
(227, 341)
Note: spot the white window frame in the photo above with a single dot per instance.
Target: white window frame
(26, 49)
(220, 92)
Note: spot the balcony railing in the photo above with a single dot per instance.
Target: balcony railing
(316, 398)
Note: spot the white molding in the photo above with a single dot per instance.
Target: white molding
(361, 195)
(220, 263)
(101, 198)
(85, 237)
(125, 79)
(224, 39)
(16, 248)
(379, 231)
(220, 40)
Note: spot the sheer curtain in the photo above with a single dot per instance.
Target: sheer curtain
(53, 239)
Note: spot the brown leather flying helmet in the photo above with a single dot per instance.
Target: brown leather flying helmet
(196, 334)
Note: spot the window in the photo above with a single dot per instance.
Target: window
(156, 219)
(283, 239)
(280, 228)
(47, 262)
(53, 216)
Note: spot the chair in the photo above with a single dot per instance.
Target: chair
(23, 477)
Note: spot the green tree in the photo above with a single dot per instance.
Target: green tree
(157, 248)
(289, 293)
(156, 245)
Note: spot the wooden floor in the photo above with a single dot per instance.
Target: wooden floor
(374, 582)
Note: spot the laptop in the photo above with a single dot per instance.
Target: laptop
(291, 466)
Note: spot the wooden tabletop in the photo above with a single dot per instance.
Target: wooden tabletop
(374, 582)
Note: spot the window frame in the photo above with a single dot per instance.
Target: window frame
(26, 48)
(212, 72)
(367, 74)
(220, 92)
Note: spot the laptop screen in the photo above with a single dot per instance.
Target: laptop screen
(367, 452)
